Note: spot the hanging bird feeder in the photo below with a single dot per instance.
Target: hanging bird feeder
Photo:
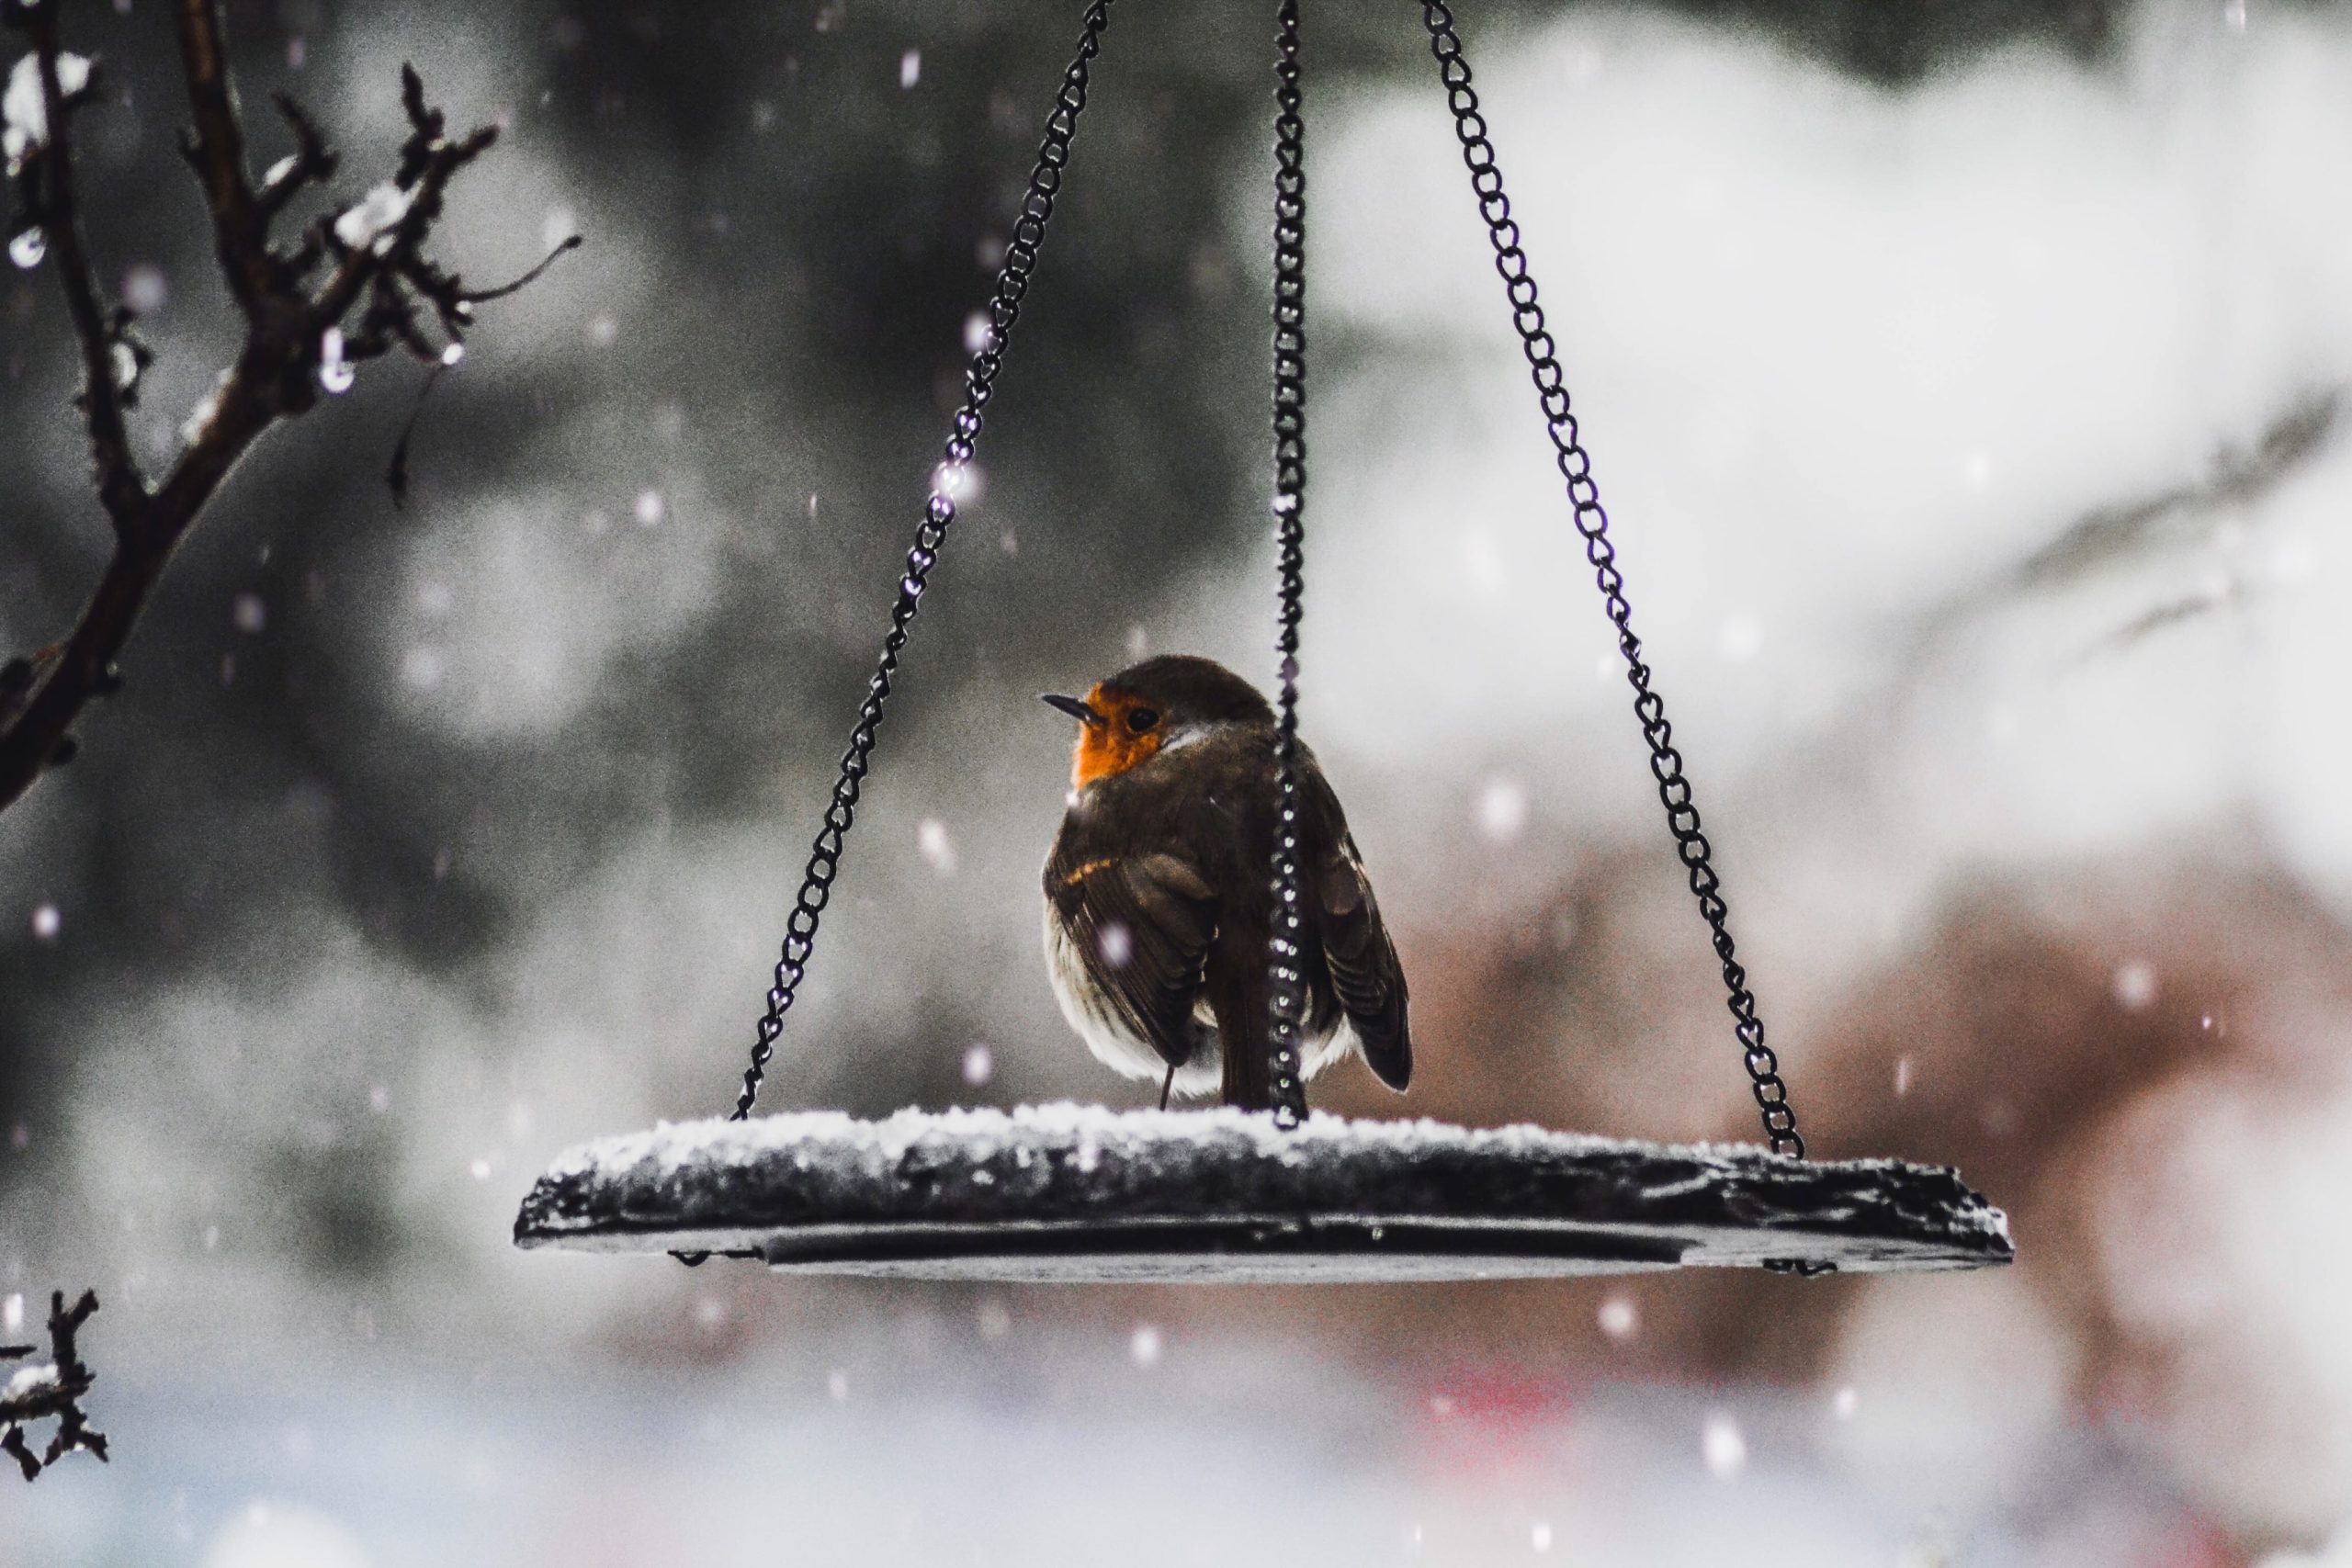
(1070, 1193)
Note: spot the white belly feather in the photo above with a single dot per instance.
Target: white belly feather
(1127, 1054)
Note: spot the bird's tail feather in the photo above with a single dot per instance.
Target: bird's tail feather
(1239, 998)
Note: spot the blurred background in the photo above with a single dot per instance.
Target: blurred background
(1966, 380)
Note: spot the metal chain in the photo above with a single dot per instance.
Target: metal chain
(1286, 1002)
(939, 512)
(1592, 522)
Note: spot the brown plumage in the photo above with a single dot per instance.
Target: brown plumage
(1159, 892)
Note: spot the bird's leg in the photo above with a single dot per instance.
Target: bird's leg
(1167, 1083)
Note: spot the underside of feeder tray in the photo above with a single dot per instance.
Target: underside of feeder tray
(1065, 1193)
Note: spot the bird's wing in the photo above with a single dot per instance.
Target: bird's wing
(1365, 974)
(1142, 925)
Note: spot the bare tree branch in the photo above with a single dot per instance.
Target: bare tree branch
(295, 337)
(105, 379)
(2129, 532)
(217, 150)
(52, 1391)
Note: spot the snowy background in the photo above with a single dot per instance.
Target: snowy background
(1968, 383)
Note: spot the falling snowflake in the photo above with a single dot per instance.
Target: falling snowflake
(1145, 1344)
(422, 668)
(1502, 809)
(930, 838)
(1725, 1449)
(144, 288)
(1741, 638)
(1618, 1318)
(962, 482)
(979, 1065)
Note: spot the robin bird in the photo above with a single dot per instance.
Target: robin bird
(1160, 893)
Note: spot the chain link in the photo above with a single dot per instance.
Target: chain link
(1290, 481)
(1286, 1004)
(1592, 522)
(939, 513)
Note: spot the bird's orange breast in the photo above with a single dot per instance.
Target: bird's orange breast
(1110, 747)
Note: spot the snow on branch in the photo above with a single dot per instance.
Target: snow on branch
(357, 284)
(50, 1391)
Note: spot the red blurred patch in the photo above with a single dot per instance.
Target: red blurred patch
(1494, 1419)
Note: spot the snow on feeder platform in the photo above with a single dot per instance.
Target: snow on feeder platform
(1067, 1192)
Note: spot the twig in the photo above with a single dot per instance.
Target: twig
(216, 147)
(484, 295)
(379, 268)
(51, 1393)
(311, 163)
(396, 471)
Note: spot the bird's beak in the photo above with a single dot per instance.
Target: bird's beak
(1075, 707)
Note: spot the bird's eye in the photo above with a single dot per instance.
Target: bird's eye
(1141, 719)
